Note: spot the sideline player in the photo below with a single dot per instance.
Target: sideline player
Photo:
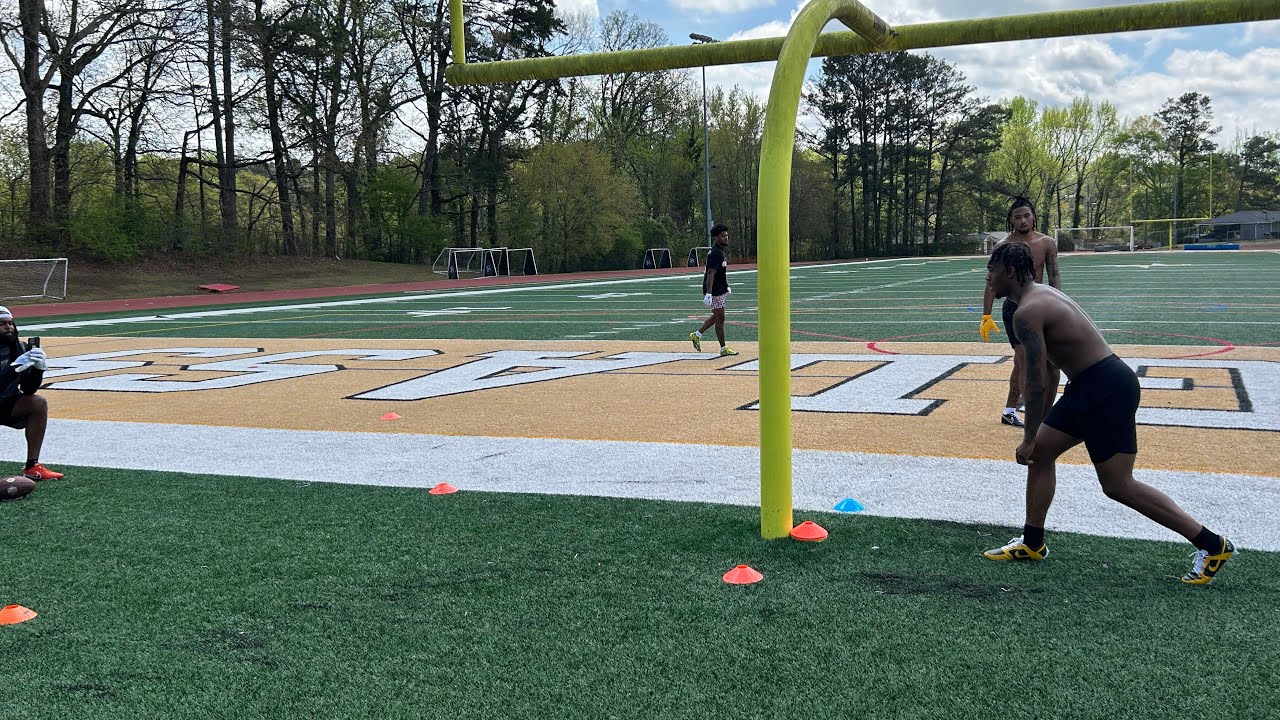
(715, 289)
(1098, 407)
(1021, 223)
(21, 372)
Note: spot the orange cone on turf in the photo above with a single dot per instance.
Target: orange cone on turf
(14, 614)
(743, 575)
(390, 416)
(443, 489)
(809, 531)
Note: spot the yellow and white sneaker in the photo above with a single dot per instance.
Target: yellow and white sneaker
(725, 352)
(1205, 567)
(696, 339)
(1015, 549)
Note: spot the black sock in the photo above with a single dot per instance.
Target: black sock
(1207, 540)
(31, 462)
(1032, 537)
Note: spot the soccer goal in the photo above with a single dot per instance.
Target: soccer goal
(524, 264)
(657, 258)
(39, 278)
(1095, 239)
(484, 262)
(698, 256)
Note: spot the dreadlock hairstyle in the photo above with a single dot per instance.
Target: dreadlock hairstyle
(1016, 256)
(1018, 202)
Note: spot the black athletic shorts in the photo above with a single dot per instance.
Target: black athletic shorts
(6, 414)
(1100, 405)
(1007, 314)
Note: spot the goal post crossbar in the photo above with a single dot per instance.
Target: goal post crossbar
(976, 31)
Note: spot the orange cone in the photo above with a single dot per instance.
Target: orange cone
(391, 416)
(14, 614)
(443, 489)
(743, 575)
(809, 531)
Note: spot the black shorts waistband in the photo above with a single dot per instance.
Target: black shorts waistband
(1098, 368)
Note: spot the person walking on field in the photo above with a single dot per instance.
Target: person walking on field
(1099, 408)
(1021, 222)
(715, 289)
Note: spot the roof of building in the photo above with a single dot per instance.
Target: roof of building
(1245, 217)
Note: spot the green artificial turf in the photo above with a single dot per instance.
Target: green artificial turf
(1209, 299)
(181, 596)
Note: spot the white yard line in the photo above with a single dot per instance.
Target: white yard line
(978, 491)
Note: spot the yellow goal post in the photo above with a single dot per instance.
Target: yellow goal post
(805, 40)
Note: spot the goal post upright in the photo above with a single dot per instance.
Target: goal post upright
(773, 260)
(804, 41)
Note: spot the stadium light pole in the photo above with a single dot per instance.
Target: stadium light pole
(699, 39)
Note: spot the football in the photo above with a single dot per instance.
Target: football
(15, 486)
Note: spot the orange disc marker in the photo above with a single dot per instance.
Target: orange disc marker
(390, 416)
(809, 531)
(443, 489)
(14, 614)
(743, 575)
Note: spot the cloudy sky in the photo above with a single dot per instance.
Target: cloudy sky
(1236, 65)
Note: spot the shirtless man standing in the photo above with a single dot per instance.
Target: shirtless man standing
(1099, 408)
(1021, 222)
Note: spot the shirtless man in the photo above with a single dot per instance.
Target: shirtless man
(1098, 407)
(1021, 222)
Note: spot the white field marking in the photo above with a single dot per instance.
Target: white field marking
(381, 300)
(797, 318)
(610, 296)
(604, 332)
(857, 291)
(955, 489)
(451, 311)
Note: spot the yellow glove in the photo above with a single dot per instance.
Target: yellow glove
(987, 326)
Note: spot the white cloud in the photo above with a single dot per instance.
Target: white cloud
(591, 8)
(718, 7)
(1261, 32)
(1054, 70)
(1114, 67)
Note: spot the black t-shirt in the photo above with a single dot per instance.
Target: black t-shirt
(717, 264)
(13, 383)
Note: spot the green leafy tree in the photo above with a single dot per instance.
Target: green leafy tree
(576, 206)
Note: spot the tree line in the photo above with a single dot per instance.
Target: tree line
(325, 128)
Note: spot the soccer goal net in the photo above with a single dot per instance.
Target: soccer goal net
(484, 262)
(698, 256)
(657, 258)
(1096, 239)
(44, 277)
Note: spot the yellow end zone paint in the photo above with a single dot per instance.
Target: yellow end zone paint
(1215, 413)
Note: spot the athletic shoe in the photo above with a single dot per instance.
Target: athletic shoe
(725, 352)
(697, 341)
(1016, 550)
(39, 472)
(1205, 567)
(1011, 418)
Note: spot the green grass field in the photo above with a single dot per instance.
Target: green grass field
(1188, 298)
(181, 596)
(165, 595)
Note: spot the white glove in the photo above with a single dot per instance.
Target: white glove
(34, 357)
(706, 299)
(728, 291)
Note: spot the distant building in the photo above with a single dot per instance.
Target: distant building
(989, 240)
(1244, 225)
